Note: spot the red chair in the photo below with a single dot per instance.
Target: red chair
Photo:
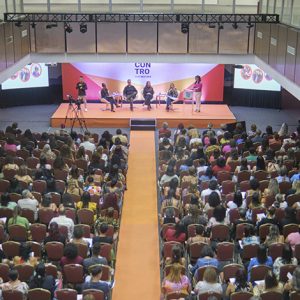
(287, 229)
(284, 186)
(39, 186)
(275, 250)
(4, 269)
(165, 227)
(9, 174)
(38, 232)
(279, 214)
(228, 187)
(81, 164)
(63, 230)
(11, 249)
(28, 214)
(15, 197)
(256, 211)
(261, 175)
(249, 251)
(192, 229)
(292, 199)
(259, 272)
(32, 162)
(56, 198)
(106, 271)
(106, 251)
(12, 295)
(25, 271)
(54, 250)
(220, 232)
(17, 233)
(36, 248)
(195, 250)
(206, 296)
(295, 295)
(66, 294)
(85, 216)
(225, 251)
(40, 294)
(264, 231)
(243, 176)
(269, 200)
(223, 176)
(271, 296)
(60, 186)
(98, 295)
(60, 174)
(46, 215)
(23, 153)
(263, 185)
(6, 212)
(241, 296)
(4, 185)
(82, 249)
(37, 195)
(284, 270)
(245, 185)
(234, 215)
(73, 273)
(51, 270)
(71, 213)
(229, 271)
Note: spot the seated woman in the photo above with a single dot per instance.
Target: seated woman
(293, 284)
(286, 258)
(177, 235)
(10, 144)
(274, 236)
(249, 236)
(219, 217)
(255, 203)
(47, 203)
(176, 282)
(41, 280)
(9, 164)
(54, 235)
(15, 284)
(270, 285)
(17, 219)
(207, 258)
(86, 203)
(237, 201)
(73, 180)
(148, 93)
(169, 216)
(71, 256)
(177, 256)
(81, 154)
(199, 237)
(213, 202)
(261, 259)
(240, 284)
(26, 256)
(23, 175)
(170, 200)
(78, 236)
(106, 98)
(209, 284)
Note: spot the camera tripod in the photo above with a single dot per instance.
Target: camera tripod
(74, 113)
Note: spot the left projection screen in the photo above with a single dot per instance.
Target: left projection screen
(30, 76)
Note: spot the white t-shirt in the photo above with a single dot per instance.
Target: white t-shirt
(205, 287)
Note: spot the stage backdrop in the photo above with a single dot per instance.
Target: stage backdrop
(161, 75)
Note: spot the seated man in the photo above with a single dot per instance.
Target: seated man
(130, 93)
(96, 283)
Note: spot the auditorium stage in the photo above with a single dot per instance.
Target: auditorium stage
(96, 117)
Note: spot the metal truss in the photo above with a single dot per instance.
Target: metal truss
(141, 18)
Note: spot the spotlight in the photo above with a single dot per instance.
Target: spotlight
(177, 18)
(221, 26)
(235, 25)
(184, 27)
(33, 25)
(83, 28)
(238, 66)
(211, 25)
(18, 24)
(68, 28)
(250, 25)
(51, 25)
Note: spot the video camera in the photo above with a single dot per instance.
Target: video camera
(74, 101)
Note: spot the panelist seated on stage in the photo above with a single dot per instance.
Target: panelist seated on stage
(106, 98)
(172, 96)
(148, 93)
(130, 93)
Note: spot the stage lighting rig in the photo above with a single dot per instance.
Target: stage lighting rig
(184, 28)
(235, 25)
(68, 28)
(83, 28)
(49, 26)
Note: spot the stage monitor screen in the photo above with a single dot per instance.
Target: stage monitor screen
(31, 76)
(251, 77)
(115, 76)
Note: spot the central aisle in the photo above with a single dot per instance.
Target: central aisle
(137, 268)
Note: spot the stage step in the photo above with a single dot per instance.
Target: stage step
(143, 124)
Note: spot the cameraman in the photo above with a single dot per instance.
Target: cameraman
(82, 87)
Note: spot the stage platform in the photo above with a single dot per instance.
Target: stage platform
(97, 117)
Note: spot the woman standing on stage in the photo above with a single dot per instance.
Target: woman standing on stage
(197, 88)
(148, 93)
(106, 98)
(172, 94)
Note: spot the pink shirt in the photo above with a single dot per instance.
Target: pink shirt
(197, 87)
(11, 147)
(293, 239)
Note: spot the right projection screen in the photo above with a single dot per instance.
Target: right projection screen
(251, 77)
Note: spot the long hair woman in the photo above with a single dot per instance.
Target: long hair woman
(197, 88)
